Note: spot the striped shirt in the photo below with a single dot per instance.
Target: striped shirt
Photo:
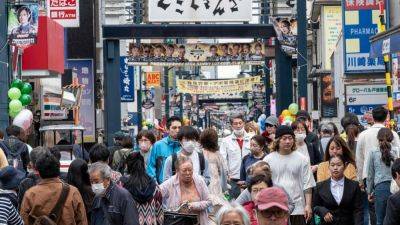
(8, 214)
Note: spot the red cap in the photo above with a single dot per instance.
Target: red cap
(270, 197)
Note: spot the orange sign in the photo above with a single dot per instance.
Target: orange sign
(153, 79)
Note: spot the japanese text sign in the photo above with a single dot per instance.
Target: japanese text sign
(126, 81)
(65, 12)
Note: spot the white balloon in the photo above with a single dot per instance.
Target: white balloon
(23, 119)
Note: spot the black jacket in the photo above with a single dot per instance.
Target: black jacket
(313, 147)
(350, 209)
(393, 210)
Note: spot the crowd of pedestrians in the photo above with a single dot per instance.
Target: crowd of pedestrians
(286, 174)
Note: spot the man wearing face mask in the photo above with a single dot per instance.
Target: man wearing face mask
(326, 133)
(163, 148)
(188, 138)
(233, 148)
(112, 204)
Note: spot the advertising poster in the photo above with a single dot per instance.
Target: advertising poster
(65, 12)
(23, 24)
(197, 54)
(200, 11)
(332, 27)
(83, 70)
(328, 100)
(286, 32)
(257, 102)
(360, 22)
(395, 73)
(153, 79)
(148, 109)
(126, 81)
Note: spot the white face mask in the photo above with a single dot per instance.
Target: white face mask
(239, 132)
(252, 134)
(98, 188)
(144, 146)
(300, 137)
(189, 146)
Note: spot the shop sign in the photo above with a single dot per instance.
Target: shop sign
(200, 11)
(366, 94)
(83, 70)
(153, 79)
(332, 27)
(360, 22)
(23, 24)
(65, 12)
(126, 81)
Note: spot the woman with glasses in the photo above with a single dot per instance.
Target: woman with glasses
(337, 201)
(337, 146)
(145, 141)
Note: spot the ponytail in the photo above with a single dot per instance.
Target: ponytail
(385, 137)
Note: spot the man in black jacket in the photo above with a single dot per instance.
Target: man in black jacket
(393, 204)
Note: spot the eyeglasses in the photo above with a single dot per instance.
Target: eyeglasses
(277, 213)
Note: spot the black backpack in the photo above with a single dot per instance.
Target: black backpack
(13, 159)
(202, 162)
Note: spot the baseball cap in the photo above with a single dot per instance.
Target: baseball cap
(119, 135)
(303, 114)
(283, 130)
(326, 127)
(272, 197)
(10, 177)
(272, 120)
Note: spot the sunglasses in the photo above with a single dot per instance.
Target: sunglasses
(277, 213)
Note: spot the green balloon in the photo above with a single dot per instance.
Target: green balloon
(25, 99)
(12, 114)
(26, 88)
(14, 93)
(15, 106)
(17, 83)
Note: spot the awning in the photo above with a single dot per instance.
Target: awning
(385, 42)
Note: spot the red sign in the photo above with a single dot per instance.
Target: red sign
(65, 12)
(361, 4)
(62, 3)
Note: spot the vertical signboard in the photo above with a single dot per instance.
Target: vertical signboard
(65, 12)
(360, 22)
(126, 80)
(332, 26)
(85, 75)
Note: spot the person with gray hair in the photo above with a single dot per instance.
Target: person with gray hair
(112, 204)
(232, 213)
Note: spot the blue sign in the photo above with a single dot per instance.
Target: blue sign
(360, 109)
(126, 80)
(359, 24)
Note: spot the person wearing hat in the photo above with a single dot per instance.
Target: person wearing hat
(292, 170)
(326, 132)
(10, 178)
(271, 207)
(118, 137)
(270, 128)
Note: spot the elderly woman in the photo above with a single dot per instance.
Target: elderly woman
(232, 214)
(186, 189)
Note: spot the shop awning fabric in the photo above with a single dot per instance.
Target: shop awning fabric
(385, 42)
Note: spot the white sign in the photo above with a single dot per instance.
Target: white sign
(386, 46)
(361, 61)
(332, 27)
(200, 10)
(65, 12)
(366, 94)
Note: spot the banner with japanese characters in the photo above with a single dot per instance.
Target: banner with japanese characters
(23, 24)
(200, 10)
(360, 22)
(286, 33)
(126, 81)
(217, 86)
(197, 54)
(65, 12)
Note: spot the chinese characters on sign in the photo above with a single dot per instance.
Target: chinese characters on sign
(65, 12)
(332, 26)
(199, 10)
(360, 23)
(126, 81)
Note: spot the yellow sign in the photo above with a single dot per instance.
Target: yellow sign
(332, 26)
(153, 79)
(217, 86)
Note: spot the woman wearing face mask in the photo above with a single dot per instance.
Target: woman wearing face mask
(145, 141)
(252, 128)
(186, 192)
(188, 138)
(337, 146)
(258, 150)
(337, 201)
(307, 149)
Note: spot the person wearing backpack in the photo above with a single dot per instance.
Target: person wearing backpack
(120, 155)
(188, 138)
(15, 150)
(51, 201)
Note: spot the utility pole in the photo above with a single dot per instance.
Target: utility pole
(302, 51)
(4, 66)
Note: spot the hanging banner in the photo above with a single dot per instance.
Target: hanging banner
(83, 70)
(23, 20)
(65, 12)
(328, 100)
(153, 79)
(200, 11)
(197, 54)
(126, 81)
(360, 22)
(332, 27)
(286, 32)
(217, 86)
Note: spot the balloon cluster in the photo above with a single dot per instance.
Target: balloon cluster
(147, 124)
(20, 95)
(289, 115)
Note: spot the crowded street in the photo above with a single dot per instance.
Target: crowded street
(199, 112)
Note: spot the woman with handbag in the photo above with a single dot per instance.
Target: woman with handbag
(379, 172)
(185, 195)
